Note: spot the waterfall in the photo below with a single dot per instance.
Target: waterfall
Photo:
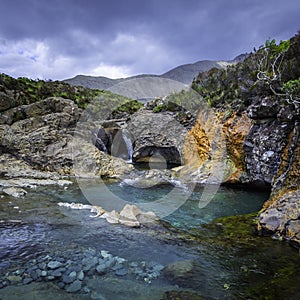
(128, 143)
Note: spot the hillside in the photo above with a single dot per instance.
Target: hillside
(182, 74)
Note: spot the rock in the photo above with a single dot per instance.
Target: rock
(89, 263)
(149, 178)
(185, 273)
(54, 264)
(263, 148)
(15, 192)
(13, 279)
(74, 287)
(292, 233)
(129, 223)
(281, 217)
(56, 273)
(128, 216)
(101, 269)
(132, 216)
(67, 279)
(157, 137)
(105, 254)
(80, 275)
(44, 273)
(61, 285)
(111, 217)
(263, 108)
(130, 212)
(121, 272)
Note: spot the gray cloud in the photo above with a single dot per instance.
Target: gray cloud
(61, 38)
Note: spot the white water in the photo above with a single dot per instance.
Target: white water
(128, 143)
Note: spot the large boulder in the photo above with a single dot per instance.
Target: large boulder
(157, 137)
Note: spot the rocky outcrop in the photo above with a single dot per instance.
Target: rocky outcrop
(40, 136)
(261, 128)
(156, 137)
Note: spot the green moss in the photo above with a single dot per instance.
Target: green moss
(262, 269)
(158, 108)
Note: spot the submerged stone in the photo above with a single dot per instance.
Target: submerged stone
(74, 287)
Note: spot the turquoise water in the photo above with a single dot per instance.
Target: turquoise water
(35, 229)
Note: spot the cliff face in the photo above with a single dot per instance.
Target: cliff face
(262, 134)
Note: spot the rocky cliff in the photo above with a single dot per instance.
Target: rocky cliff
(260, 117)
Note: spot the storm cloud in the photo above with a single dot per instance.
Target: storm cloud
(59, 39)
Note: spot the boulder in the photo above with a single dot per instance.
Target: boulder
(281, 217)
(185, 273)
(157, 137)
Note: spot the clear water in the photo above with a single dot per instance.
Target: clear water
(35, 226)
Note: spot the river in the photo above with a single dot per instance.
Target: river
(53, 252)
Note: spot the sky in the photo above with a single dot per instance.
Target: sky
(59, 39)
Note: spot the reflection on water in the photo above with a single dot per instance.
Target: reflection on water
(35, 231)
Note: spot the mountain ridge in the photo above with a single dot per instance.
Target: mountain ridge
(183, 73)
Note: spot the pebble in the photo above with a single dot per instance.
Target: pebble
(73, 275)
(80, 275)
(70, 270)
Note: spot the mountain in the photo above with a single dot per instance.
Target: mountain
(186, 73)
(174, 80)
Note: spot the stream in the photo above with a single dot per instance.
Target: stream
(53, 252)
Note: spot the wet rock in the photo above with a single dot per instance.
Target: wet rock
(56, 273)
(44, 273)
(54, 264)
(281, 217)
(42, 265)
(80, 275)
(185, 273)
(89, 263)
(13, 279)
(74, 287)
(61, 285)
(102, 269)
(111, 217)
(121, 272)
(67, 279)
(106, 254)
(15, 192)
